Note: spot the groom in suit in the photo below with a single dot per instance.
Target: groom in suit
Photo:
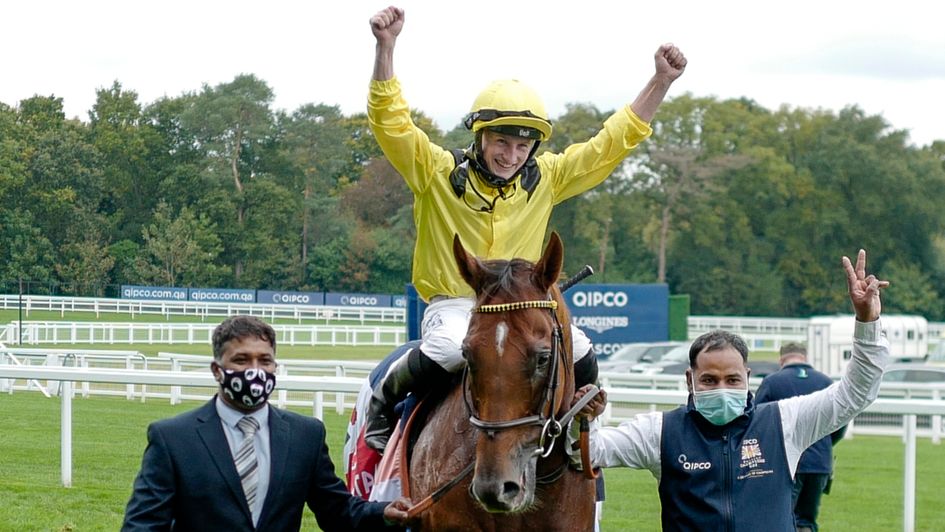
(237, 463)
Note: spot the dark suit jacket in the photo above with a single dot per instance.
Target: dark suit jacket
(188, 480)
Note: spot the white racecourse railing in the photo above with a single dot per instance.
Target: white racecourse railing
(909, 408)
(766, 333)
(174, 362)
(870, 423)
(69, 375)
(201, 309)
(77, 332)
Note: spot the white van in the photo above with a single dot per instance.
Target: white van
(830, 340)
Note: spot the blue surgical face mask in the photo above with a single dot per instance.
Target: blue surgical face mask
(721, 405)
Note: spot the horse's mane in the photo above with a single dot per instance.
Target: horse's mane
(509, 277)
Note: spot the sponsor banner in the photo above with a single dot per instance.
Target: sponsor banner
(153, 292)
(280, 297)
(222, 295)
(607, 349)
(398, 301)
(613, 315)
(357, 300)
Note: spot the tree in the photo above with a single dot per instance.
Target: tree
(127, 146)
(458, 138)
(12, 146)
(586, 222)
(28, 254)
(231, 124)
(912, 290)
(180, 251)
(677, 169)
(316, 142)
(85, 266)
(378, 195)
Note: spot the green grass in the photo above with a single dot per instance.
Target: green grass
(304, 352)
(109, 438)
(770, 356)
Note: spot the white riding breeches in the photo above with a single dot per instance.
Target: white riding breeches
(444, 326)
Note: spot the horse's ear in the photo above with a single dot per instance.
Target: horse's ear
(468, 265)
(548, 267)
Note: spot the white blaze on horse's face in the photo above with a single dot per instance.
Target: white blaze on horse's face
(501, 333)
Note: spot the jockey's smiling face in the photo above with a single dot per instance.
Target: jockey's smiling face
(504, 154)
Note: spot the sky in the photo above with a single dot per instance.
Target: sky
(887, 58)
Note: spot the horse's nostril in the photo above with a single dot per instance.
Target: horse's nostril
(510, 490)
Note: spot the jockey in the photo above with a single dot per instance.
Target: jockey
(497, 195)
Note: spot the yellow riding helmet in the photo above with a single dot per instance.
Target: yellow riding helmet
(507, 104)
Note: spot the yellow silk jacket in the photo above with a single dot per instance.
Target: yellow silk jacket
(516, 226)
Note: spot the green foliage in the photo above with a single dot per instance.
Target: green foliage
(129, 149)
(29, 255)
(85, 266)
(748, 209)
(913, 291)
(458, 137)
(179, 251)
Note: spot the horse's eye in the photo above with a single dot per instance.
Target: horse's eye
(543, 358)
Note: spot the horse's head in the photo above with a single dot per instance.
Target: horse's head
(520, 374)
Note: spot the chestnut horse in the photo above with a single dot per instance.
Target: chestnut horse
(502, 421)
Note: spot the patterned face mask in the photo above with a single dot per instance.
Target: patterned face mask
(249, 388)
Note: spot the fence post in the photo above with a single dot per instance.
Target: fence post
(339, 396)
(6, 385)
(282, 370)
(129, 388)
(82, 362)
(175, 390)
(937, 420)
(52, 359)
(318, 405)
(65, 429)
(19, 306)
(908, 514)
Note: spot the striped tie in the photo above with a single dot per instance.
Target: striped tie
(246, 459)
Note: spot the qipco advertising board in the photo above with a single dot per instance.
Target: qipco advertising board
(613, 315)
(281, 297)
(333, 299)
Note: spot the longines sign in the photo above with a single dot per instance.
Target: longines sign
(616, 314)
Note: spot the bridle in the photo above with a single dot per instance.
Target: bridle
(551, 427)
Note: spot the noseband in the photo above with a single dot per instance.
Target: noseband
(551, 428)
